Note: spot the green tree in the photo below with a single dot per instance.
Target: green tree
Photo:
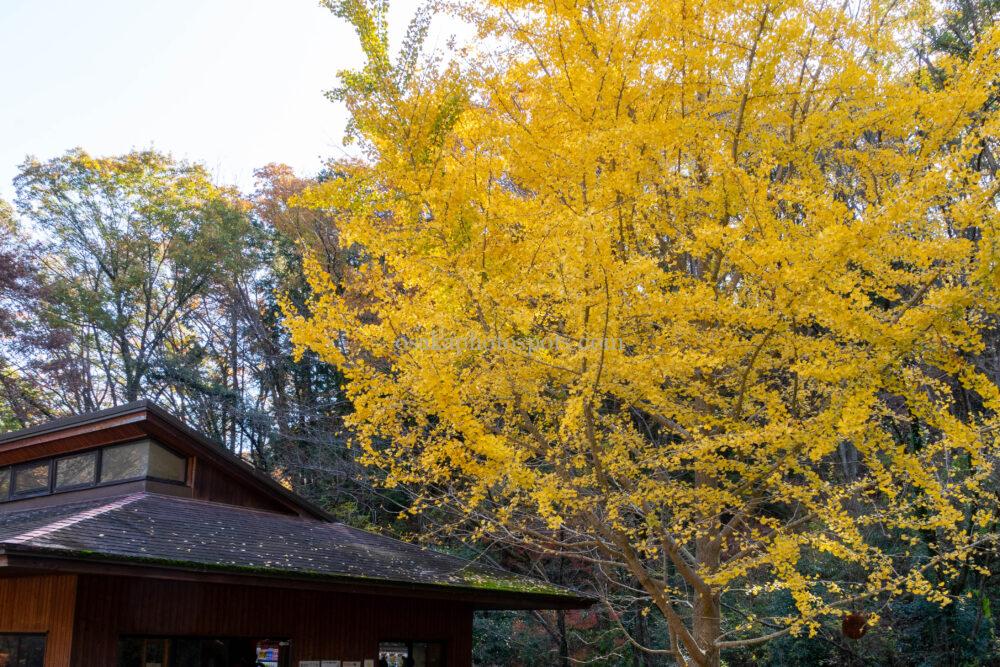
(20, 399)
(133, 244)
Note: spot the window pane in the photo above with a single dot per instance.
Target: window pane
(8, 648)
(164, 464)
(32, 651)
(185, 653)
(155, 652)
(428, 654)
(124, 462)
(76, 470)
(394, 653)
(130, 652)
(4, 483)
(31, 478)
(22, 650)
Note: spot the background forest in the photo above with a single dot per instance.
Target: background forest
(138, 276)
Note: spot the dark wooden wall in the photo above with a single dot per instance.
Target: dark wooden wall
(212, 484)
(320, 626)
(42, 604)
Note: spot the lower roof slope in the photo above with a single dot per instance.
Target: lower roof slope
(145, 529)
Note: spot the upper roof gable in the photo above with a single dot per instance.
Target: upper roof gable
(145, 419)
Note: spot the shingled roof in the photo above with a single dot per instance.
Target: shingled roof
(147, 529)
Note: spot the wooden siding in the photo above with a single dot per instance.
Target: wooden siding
(336, 626)
(210, 483)
(41, 604)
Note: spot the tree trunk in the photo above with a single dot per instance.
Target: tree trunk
(707, 627)
(642, 658)
(561, 614)
(234, 363)
(563, 640)
(707, 614)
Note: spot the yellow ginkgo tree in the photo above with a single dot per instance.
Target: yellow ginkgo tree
(693, 291)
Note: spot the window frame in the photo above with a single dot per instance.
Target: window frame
(286, 647)
(21, 636)
(410, 643)
(98, 452)
(123, 480)
(184, 465)
(151, 442)
(14, 494)
(74, 487)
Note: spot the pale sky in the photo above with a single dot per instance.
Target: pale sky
(233, 84)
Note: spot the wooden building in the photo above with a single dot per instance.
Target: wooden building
(128, 539)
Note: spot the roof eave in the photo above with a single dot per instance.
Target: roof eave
(24, 559)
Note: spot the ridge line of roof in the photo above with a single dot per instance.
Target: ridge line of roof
(238, 508)
(79, 517)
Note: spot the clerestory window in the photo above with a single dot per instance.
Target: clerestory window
(144, 459)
